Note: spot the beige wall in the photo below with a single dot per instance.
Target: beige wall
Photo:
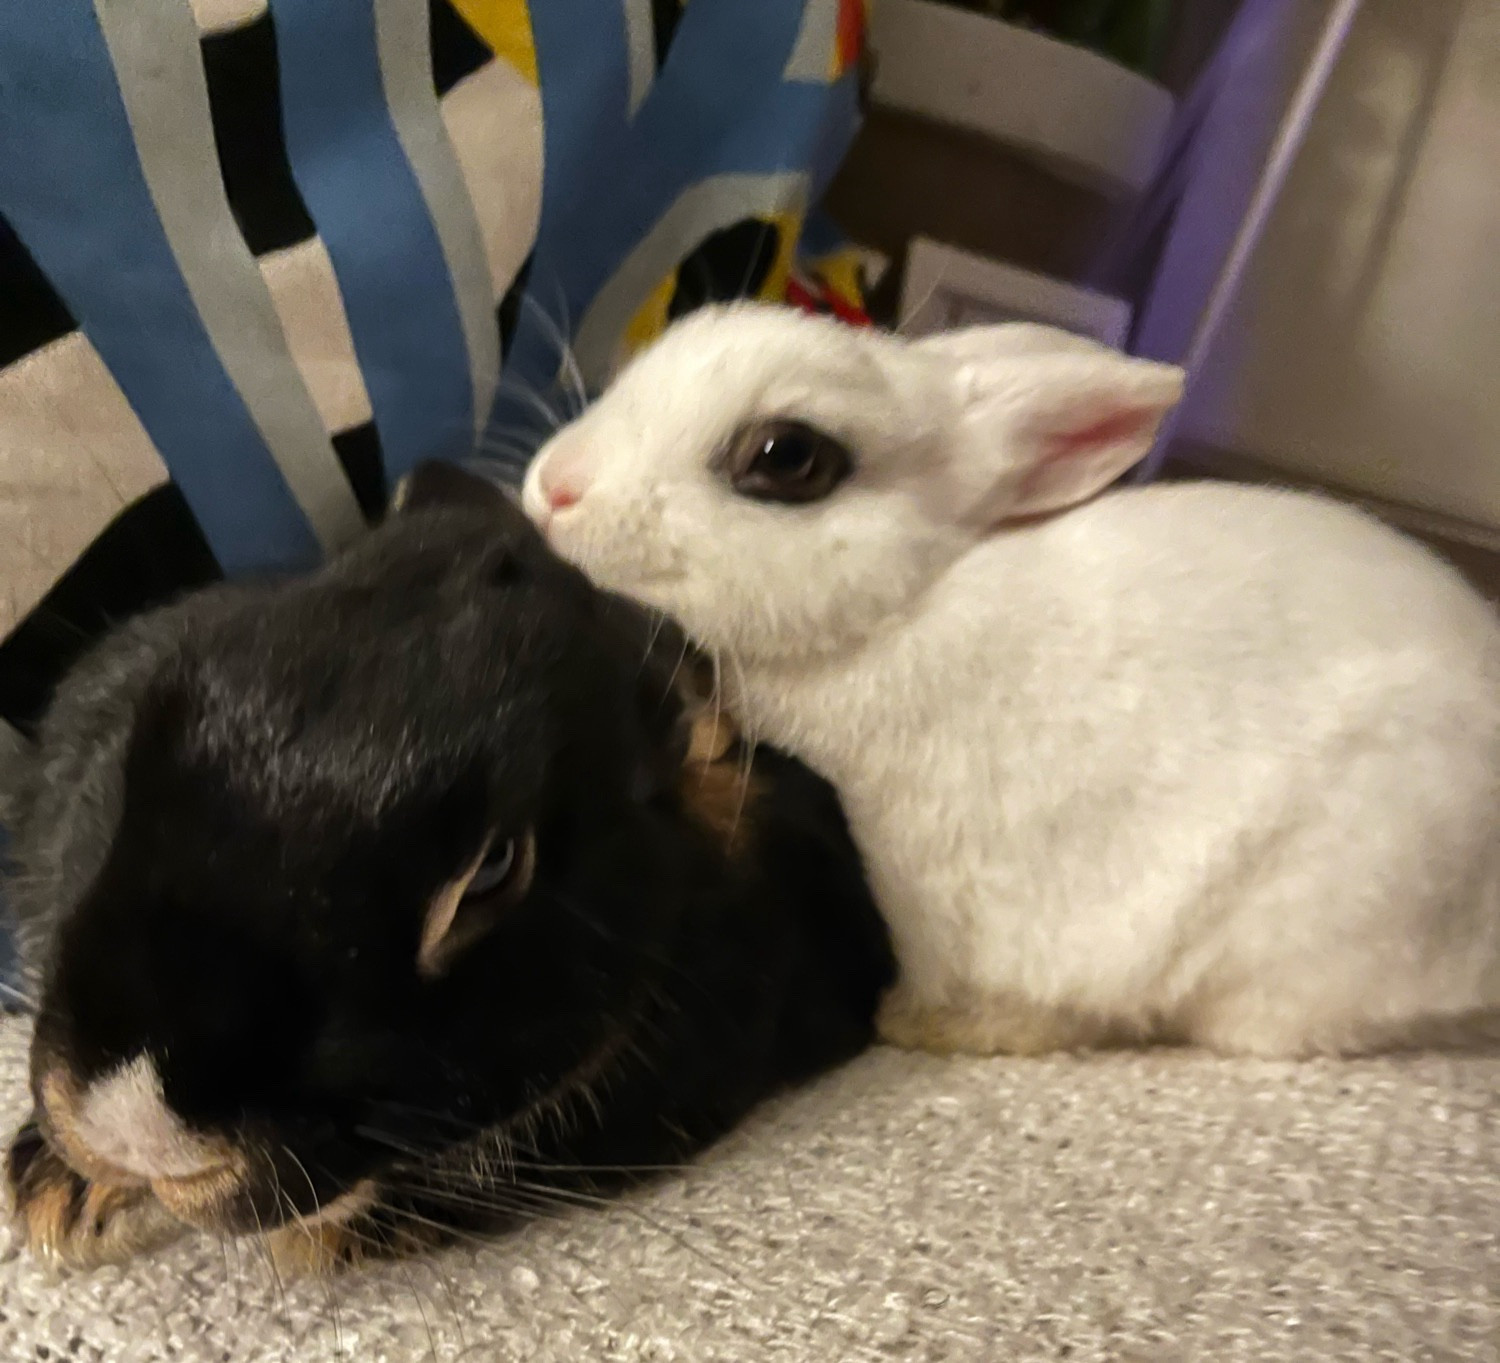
(1364, 348)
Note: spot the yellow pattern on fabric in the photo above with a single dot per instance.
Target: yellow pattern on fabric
(505, 26)
(789, 229)
(843, 273)
(650, 318)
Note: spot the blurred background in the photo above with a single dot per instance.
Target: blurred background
(257, 258)
(1299, 197)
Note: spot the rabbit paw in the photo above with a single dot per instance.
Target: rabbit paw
(314, 1249)
(354, 1229)
(70, 1222)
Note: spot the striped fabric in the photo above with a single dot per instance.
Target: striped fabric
(259, 257)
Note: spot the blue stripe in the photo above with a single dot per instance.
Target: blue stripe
(370, 214)
(71, 186)
(718, 107)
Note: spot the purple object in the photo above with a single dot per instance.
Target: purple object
(1235, 141)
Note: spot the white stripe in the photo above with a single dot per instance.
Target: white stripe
(305, 292)
(812, 53)
(73, 455)
(494, 121)
(404, 40)
(160, 70)
(640, 50)
(703, 208)
(218, 16)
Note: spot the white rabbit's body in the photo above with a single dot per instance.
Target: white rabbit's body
(1137, 809)
(1192, 762)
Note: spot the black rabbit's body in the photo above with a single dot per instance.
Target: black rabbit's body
(253, 862)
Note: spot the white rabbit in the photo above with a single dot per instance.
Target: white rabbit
(1192, 762)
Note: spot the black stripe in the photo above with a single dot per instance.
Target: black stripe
(358, 450)
(31, 313)
(730, 263)
(665, 15)
(244, 96)
(509, 311)
(457, 51)
(150, 553)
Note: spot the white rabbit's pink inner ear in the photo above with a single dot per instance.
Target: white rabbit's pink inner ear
(1075, 464)
(1071, 462)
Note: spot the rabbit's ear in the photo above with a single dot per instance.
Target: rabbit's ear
(1044, 427)
(985, 344)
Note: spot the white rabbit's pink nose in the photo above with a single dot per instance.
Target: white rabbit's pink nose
(564, 477)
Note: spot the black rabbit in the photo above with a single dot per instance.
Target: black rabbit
(351, 896)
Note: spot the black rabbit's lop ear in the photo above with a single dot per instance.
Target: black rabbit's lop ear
(435, 483)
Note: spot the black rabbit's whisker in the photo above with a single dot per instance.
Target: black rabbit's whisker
(552, 419)
(568, 370)
(305, 1227)
(572, 1199)
(14, 996)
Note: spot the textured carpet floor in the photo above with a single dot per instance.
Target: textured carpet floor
(1143, 1207)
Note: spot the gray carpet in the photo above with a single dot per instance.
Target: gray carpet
(1138, 1207)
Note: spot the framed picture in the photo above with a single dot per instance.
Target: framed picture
(946, 288)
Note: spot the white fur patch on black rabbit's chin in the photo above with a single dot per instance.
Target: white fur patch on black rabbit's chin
(118, 1132)
(122, 1120)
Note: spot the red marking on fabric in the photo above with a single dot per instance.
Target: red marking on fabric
(800, 296)
(850, 40)
(845, 310)
(823, 300)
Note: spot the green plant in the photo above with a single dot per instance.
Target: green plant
(1130, 32)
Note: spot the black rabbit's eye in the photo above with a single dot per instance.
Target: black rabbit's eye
(466, 908)
(786, 461)
(500, 864)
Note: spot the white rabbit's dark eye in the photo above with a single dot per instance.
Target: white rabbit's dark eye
(786, 461)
